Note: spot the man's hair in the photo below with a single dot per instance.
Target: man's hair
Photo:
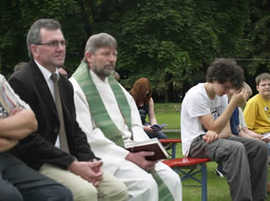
(223, 70)
(99, 40)
(33, 36)
(262, 76)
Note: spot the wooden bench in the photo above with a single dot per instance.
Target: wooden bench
(189, 167)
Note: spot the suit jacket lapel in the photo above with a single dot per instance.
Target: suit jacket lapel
(43, 88)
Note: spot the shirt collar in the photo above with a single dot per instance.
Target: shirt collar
(45, 72)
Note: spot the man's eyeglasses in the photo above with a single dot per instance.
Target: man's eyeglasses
(55, 43)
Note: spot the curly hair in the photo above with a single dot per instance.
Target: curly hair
(223, 70)
(138, 90)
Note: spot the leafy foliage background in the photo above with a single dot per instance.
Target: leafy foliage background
(171, 42)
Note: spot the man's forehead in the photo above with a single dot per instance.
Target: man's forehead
(50, 32)
(111, 48)
(105, 49)
(228, 84)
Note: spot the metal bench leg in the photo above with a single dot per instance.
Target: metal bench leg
(204, 182)
(173, 150)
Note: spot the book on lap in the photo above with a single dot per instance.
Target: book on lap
(149, 145)
(158, 127)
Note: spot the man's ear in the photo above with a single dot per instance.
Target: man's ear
(89, 57)
(257, 87)
(34, 50)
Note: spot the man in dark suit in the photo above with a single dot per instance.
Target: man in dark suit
(73, 164)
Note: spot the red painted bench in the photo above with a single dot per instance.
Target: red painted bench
(192, 167)
(171, 143)
(185, 162)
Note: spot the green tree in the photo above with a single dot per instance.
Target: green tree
(17, 17)
(172, 42)
(257, 46)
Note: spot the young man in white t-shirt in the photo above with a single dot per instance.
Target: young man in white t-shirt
(205, 131)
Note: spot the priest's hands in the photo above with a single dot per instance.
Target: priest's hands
(139, 159)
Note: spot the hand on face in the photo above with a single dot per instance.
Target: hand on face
(239, 97)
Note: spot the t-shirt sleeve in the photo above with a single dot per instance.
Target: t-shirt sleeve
(250, 114)
(242, 122)
(198, 105)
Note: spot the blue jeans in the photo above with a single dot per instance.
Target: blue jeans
(18, 182)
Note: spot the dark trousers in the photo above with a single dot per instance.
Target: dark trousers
(19, 182)
(244, 161)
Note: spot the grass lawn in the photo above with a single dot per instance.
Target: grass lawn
(168, 113)
(172, 119)
(217, 187)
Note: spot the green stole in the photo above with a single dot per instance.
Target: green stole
(104, 121)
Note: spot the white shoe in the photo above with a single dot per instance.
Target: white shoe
(219, 173)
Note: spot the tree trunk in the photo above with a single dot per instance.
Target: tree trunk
(85, 18)
(166, 95)
(1, 55)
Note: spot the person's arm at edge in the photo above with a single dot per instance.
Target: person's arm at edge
(251, 134)
(219, 124)
(152, 117)
(6, 144)
(226, 132)
(19, 125)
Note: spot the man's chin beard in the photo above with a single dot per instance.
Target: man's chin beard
(107, 73)
(103, 74)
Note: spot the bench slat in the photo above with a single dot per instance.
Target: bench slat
(170, 140)
(178, 162)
